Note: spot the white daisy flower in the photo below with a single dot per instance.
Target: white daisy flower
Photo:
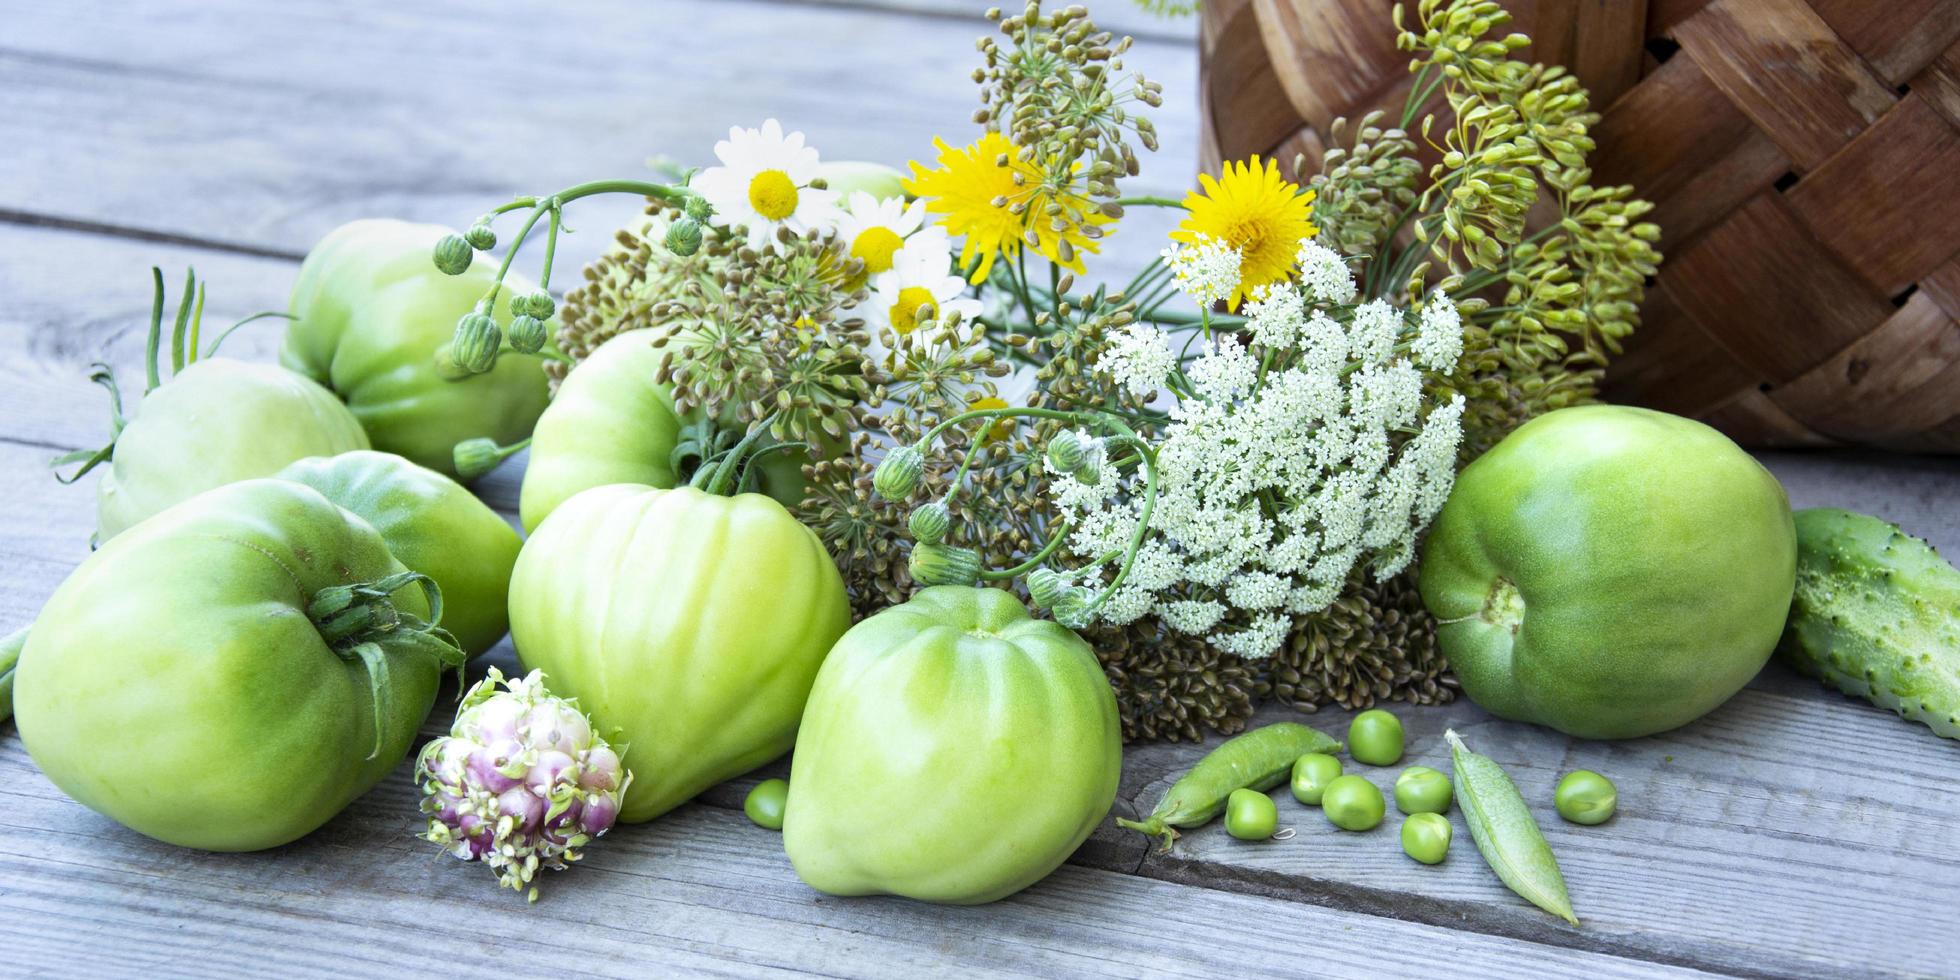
(764, 184)
(874, 228)
(921, 286)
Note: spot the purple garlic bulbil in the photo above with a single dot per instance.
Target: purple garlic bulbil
(521, 781)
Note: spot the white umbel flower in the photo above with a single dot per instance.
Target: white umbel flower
(1207, 270)
(763, 183)
(1377, 325)
(1277, 316)
(1439, 334)
(1325, 273)
(1139, 358)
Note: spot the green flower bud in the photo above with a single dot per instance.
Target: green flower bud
(527, 334)
(537, 303)
(1072, 609)
(1046, 587)
(476, 341)
(684, 237)
(929, 522)
(447, 367)
(453, 255)
(1090, 472)
(1065, 452)
(481, 236)
(475, 457)
(898, 474)
(944, 564)
(698, 208)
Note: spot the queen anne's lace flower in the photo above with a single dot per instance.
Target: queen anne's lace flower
(1324, 273)
(1207, 270)
(1439, 336)
(1282, 468)
(1139, 358)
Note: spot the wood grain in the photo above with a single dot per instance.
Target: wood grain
(440, 111)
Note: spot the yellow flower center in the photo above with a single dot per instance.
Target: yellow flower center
(875, 245)
(912, 301)
(1002, 428)
(772, 194)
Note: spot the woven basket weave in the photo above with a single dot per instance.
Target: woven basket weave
(1803, 157)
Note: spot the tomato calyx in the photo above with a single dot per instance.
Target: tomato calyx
(359, 621)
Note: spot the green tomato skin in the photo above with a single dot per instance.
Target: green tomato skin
(216, 422)
(764, 804)
(1250, 815)
(434, 526)
(846, 177)
(1375, 738)
(372, 309)
(955, 750)
(1420, 789)
(1610, 572)
(1353, 803)
(1311, 774)
(689, 626)
(1585, 797)
(1426, 837)
(612, 422)
(175, 684)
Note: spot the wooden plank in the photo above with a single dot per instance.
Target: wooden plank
(702, 891)
(332, 111)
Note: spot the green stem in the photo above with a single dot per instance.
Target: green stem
(550, 246)
(725, 471)
(1149, 201)
(197, 326)
(151, 350)
(183, 321)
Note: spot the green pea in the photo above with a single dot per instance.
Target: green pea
(1353, 803)
(1311, 774)
(1426, 837)
(1375, 737)
(765, 803)
(1421, 789)
(1250, 815)
(1586, 797)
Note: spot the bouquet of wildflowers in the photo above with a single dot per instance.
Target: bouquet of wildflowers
(1218, 471)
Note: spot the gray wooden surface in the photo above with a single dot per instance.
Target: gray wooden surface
(1793, 832)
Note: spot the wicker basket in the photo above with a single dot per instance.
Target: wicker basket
(1803, 156)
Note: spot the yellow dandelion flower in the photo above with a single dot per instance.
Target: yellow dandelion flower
(1256, 211)
(977, 193)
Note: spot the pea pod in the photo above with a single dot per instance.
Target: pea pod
(1505, 833)
(1259, 759)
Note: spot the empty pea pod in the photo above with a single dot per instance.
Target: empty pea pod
(1259, 759)
(1504, 831)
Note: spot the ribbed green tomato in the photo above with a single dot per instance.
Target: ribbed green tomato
(433, 526)
(176, 683)
(215, 422)
(612, 422)
(954, 750)
(689, 625)
(371, 311)
(1610, 572)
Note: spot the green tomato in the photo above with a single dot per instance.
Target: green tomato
(1421, 789)
(1426, 837)
(1311, 774)
(955, 750)
(1353, 803)
(612, 422)
(1250, 815)
(433, 526)
(1610, 572)
(1586, 797)
(176, 683)
(1375, 738)
(847, 177)
(689, 626)
(765, 803)
(371, 311)
(216, 422)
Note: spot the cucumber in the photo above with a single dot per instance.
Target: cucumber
(1877, 616)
